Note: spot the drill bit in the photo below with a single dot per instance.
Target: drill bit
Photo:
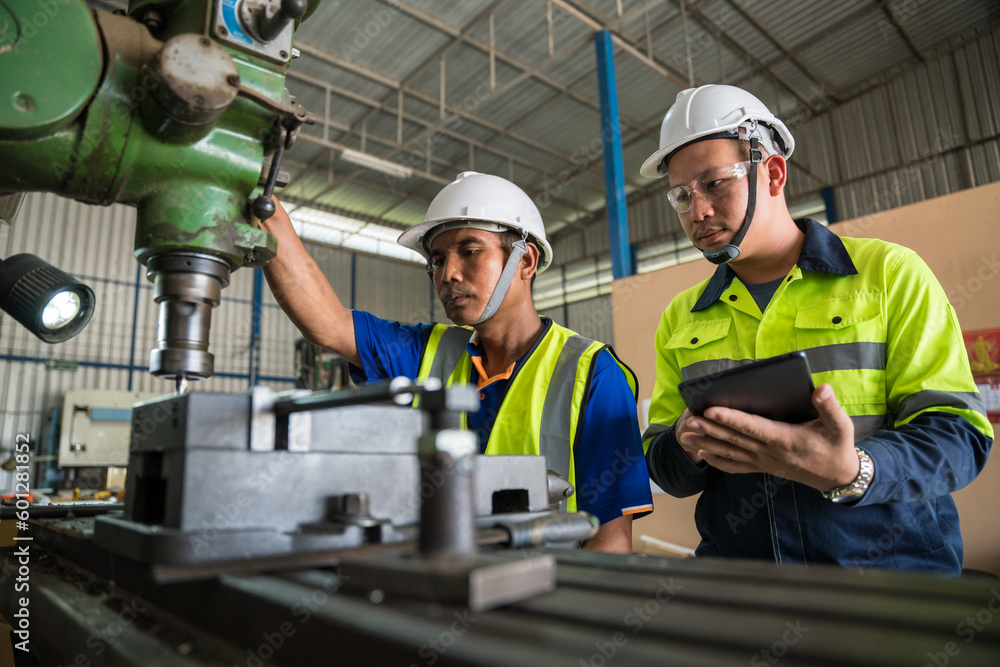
(182, 384)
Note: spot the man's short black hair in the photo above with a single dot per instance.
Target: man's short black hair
(742, 149)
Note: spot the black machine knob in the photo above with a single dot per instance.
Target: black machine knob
(262, 207)
(290, 10)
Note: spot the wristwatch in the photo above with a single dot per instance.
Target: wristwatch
(857, 488)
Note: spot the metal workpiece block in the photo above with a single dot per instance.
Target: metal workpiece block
(282, 490)
(240, 490)
(382, 429)
(479, 582)
(194, 420)
(501, 480)
(205, 505)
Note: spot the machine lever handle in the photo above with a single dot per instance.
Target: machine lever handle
(263, 206)
(290, 10)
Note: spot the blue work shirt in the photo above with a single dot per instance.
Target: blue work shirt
(611, 474)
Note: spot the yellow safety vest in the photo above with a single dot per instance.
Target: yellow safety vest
(540, 413)
(886, 339)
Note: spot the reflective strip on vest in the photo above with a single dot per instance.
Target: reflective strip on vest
(846, 357)
(711, 367)
(836, 357)
(922, 400)
(865, 426)
(558, 407)
(652, 431)
(450, 349)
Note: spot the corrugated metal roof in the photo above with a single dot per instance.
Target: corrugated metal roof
(374, 35)
(800, 23)
(933, 23)
(521, 29)
(851, 56)
(523, 98)
(728, 19)
(576, 66)
(572, 139)
(809, 61)
(642, 92)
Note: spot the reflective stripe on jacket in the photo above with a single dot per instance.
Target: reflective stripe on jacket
(541, 411)
(858, 335)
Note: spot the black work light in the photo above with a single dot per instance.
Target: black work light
(50, 303)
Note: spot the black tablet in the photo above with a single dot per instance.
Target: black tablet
(779, 388)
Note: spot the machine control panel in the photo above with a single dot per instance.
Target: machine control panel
(260, 27)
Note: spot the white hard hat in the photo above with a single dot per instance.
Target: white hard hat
(480, 201)
(701, 113)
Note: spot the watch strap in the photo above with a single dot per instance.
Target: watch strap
(859, 486)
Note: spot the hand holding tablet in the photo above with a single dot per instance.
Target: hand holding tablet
(779, 388)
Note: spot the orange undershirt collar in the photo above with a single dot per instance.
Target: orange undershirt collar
(477, 359)
(484, 381)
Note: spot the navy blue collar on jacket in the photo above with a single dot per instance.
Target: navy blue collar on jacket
(823, 251)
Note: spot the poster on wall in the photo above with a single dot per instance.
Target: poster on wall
(983, 346)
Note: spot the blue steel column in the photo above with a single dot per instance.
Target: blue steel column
(135, 322)
(258, 297)
(831, 205)
(614, 171)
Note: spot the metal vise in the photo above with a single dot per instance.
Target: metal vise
(223, 476)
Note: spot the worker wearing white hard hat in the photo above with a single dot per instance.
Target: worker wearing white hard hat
(720, 112)
(900, 424)
(486, 203)
(543, 388)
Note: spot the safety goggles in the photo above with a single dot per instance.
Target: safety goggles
(712, 185)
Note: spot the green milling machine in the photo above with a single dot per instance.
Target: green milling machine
(178, 108)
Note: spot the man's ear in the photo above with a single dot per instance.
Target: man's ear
(529, 261)
(777, 172)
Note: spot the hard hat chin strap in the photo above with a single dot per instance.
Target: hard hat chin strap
(506, 277)
(731, 251)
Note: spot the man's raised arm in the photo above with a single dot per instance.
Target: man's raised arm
(305, 294)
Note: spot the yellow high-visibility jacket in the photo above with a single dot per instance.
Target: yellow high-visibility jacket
(877, 326)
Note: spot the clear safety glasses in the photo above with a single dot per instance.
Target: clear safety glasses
(713, 184)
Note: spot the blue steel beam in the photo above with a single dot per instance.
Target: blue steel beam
(830, 201)
(258, 297)
(135, 320)
(614, 170)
